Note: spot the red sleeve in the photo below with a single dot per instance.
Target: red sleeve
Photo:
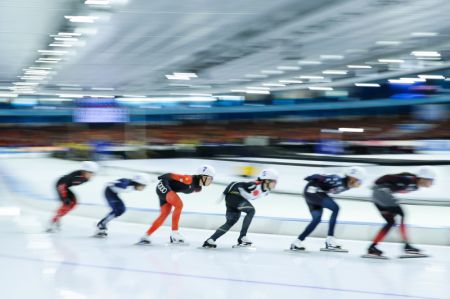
(62, 189)
(185, 179)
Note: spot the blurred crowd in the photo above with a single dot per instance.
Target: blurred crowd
(374, 128)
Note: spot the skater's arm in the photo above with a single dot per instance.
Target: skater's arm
(325, 183)
(73, 179)
(119, 185)
(249, 191)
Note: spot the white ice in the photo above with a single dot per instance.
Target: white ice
(73, 265)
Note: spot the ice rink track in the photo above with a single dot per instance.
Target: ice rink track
(73, 265)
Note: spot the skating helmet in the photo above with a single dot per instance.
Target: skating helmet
(427, 172)
(207, 170)
(268, 174)
(89, 166)
(141, 178)
(356, 172)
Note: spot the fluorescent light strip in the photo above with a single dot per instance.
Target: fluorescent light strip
(288, 68)
(69, 34)
(311, 77)
(388, 42)
(309, 62)
(291, 81)
(320, 88)
(173, 77)
(357, 66)
(352, 130)
(46, 61)
(8, 95)
(400, 81)
(432, 77)
(50, 58)
(367, 84)
(272, 72)
(391, 60)
(273, 84)
(52, 52)
(424, 34)
(413, 79)
(31, 78)
(258, 87)
(66, 39)
(102, 88)
(189, 75)
(25, 83)
(334, 72)
(40, 68)
(331, 57)
(61, 45)
(81, 19)
(426, 53)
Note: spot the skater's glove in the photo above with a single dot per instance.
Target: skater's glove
(67, 201)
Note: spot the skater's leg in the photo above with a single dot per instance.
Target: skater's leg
(105, 220)
(403, 231)
(249, 210)
(69, 201)
(232, 216)
(330, 204)
(165, 211)
(316, 217)
(399, 211)
(390, 221)
(173, 199)
(117, 206)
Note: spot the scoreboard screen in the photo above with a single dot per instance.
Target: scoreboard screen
(100, 115)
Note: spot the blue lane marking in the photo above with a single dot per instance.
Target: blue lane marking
(247, 281)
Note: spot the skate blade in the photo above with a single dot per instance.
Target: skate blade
(296, 250)
(334, 250)
(177, 244)
(99, 236)
(206, 248)
(142, 244)
(251, 247)
(374, 256)
(412, 256)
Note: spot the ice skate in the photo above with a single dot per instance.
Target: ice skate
(53, 227)
(244, 242)
(145, 240)
(375, 253)
(209, 244)
(177, 239)
(412, 252)
(332, 246)
(101, 233)
(297, 245)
